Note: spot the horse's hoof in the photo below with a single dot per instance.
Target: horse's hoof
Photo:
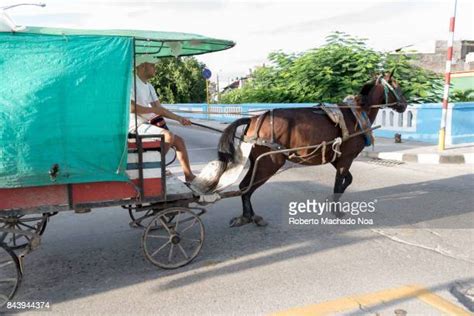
(259, 221)
(239, 221)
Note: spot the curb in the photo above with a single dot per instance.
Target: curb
(432, 159)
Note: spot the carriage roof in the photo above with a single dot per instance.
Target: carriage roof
(159, 44)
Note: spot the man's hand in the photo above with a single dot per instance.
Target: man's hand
(184, 121)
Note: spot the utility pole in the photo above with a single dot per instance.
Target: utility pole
(447, 81)
(218, 90)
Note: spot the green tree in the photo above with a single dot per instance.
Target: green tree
(462, 95)
(331, 72)
(180, 80)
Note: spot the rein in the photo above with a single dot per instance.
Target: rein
(213, 129)
(207, 127)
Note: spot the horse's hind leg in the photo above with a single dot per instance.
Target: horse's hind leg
(266, 168)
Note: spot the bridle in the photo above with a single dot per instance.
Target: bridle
(387, 88)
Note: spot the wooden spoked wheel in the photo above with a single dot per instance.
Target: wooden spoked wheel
(34, 223)
(10, 274)
(173, 244)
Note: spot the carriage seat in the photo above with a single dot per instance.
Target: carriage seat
(148, 144)
(151, 166)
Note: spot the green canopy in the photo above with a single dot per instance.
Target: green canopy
(65, 100)
(159, 44)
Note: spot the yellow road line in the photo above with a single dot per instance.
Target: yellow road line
(366, 300)
(439, 302)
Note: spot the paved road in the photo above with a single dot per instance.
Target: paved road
(422, 235)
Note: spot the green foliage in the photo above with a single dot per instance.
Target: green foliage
(462, 96)
(331, 72)
(179, 80)
(418, 84)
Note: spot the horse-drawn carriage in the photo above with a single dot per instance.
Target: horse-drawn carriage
(65, 146)
(64, 104)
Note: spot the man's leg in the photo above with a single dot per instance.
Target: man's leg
(149, 129)
(182, 155)
(174, 140)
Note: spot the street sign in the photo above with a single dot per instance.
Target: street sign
(206, 73)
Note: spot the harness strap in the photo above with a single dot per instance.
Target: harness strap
(266, 143)
(256, 139)
(363, 122)
(336, 148)
(272, 137)
(388, 87)
(260, 120)
(323, 152)
(257, 128)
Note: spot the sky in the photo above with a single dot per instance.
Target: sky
(260, 27)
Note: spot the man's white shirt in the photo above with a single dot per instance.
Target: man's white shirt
(146, 95)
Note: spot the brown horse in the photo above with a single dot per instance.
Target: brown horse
(292, 128)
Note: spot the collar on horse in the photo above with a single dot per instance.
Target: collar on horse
(362, 120)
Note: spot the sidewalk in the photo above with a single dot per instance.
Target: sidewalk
(407, 151)
(418, 152)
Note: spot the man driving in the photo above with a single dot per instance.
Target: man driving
(148, 106)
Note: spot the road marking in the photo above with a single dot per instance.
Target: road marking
(355, 302)
(440, 303)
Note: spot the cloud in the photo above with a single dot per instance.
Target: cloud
(362, 15)
(166, 5)
(260, 27)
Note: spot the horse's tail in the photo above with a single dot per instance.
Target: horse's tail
(226, 147)
(210, 175)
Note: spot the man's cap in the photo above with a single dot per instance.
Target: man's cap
(144, 58)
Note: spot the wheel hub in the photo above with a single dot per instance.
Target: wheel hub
(175, 239)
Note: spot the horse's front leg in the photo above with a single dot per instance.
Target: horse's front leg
(342, 181)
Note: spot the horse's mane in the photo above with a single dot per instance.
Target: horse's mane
(367, 87)
(364, 93)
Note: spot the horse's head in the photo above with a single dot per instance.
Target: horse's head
(384, 90)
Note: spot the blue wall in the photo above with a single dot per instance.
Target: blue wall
(425, 125)
(428, 119)
(228, 115)
(462, 129)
